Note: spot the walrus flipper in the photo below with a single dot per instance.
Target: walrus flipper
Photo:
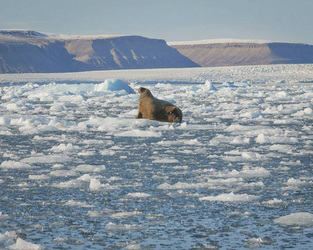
(174, 115)
(139, 115)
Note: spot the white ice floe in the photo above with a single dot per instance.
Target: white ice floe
(14, 165)
(22, 244)
(296, 219)
(3, 217)
(39, 177)
(64, 148)
(90, 168)
(275, 202)
(125, 214)
(166, 160)
(55, 158)
(73, 203)
(123, 227)
(138, 195)
(114, 85)
(246, 172)
(230, 197)
(94, 185)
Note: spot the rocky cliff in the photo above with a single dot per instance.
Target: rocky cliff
(32, 52)
(246, 53)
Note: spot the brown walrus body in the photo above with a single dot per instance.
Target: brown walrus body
(154, 109)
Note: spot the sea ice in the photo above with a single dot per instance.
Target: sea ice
(57, 158)
(14, 165)
(73, 146)
(123, 227)
(114, 85)
(138, 195)
(73, 203)
(230, 197)
(22, 244)
(94, 184)
(296, 219)
(125, 214)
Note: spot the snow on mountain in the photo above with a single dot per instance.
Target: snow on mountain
(221, 40)
(23, 51)
(229, 52)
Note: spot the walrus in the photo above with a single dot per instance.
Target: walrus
(154, 109)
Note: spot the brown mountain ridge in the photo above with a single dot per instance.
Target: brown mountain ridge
(27, 51)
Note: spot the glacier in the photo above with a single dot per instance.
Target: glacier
(78, 171)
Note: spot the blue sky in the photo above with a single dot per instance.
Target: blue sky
(172, 20)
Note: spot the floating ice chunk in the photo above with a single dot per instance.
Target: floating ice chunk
(64, 147)
(209, 86)
(71, 98)
(107, 152)
(258, 242)
(94, 184)
(305, 112)
(125, 214)
(114, 85)
(296, 219)
(3, 217)
(90, 168)
(29, 130)
(22, 244)
(38, 177)
(231, 197)
(240, 141)
(4, 121)
(12, 107)
(48, 159)
(14, 165)
(165, 160)
(263, 139)
(246, 172)
(94, 214)
(296, 182)
(249, 114)
(73, 203)
(281, 148)
(164, 186)
(282, 95)
(191, 142)
(63, 173)
(3, 238)
(126, 227)
(57, 107)
(250, 155)
(85, 177)
(10, 235)
(274, 202)
(138, 195)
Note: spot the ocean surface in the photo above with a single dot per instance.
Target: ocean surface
(78, 171)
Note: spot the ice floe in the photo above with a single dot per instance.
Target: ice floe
(296, 219)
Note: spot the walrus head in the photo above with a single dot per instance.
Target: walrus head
(144, 92)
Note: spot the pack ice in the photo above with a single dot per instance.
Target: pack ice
(77, 170)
